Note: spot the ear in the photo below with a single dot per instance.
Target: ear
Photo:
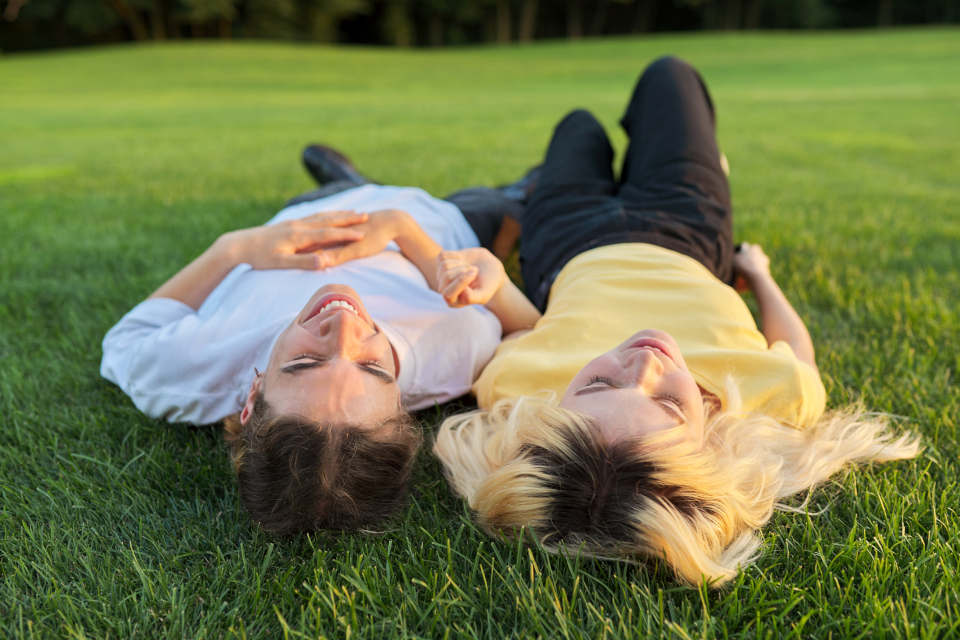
(251, 399)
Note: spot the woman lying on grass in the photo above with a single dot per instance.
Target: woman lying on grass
(677, 442)
(322, 362)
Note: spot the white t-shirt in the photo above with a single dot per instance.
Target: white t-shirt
(196, 366)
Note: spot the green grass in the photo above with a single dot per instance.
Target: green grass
(118, 165)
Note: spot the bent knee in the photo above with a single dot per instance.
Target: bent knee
(580, 118)
(670, 66)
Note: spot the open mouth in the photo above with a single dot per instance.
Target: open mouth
(336, 302)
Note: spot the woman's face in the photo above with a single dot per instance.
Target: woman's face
(332, 364)
(638, 389)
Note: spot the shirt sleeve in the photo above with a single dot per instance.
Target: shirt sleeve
(807, 381)
(141, 355)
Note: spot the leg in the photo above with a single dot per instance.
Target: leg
(672, 165)
(573, 202)
(578, 162)
(489, 214)
(331, 169)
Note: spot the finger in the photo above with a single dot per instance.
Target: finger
(306, 261)
(456, 272)
(334, 219)
(333, 257)
(452, 274)
(453, 264)
(331, 236)
(452, 292)
(449, 255)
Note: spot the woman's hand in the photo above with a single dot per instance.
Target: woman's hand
(295, 244)
(470, 276)
(750, 264)
(779, 319)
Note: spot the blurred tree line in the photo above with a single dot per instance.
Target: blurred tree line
(40, 24)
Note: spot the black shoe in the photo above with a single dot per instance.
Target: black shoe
(328, 165)
(522, 189)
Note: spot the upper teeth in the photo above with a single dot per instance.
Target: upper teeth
(338, 303)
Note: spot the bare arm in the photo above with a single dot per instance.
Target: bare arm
(780, 320)
(287, 245)
(382, 227)
(476, 276)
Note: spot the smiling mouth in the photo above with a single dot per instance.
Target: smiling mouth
(336, 302)
(650, 343)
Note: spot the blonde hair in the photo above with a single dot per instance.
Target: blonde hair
(527, 465)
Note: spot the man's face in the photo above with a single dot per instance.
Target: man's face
(332, 364)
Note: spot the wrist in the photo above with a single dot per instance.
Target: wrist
(228, 249)
(501, 293)
(401, 224)
(757, 278)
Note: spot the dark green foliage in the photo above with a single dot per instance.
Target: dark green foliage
(118, 165)
(36, 24)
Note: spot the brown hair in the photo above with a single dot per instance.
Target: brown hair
(296, 475)
(593, 490)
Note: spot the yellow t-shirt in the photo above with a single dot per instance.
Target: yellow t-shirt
(605, 295)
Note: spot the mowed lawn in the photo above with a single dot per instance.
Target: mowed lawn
(118, 165)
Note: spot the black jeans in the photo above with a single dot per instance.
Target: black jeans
(672, 191)
(484, 208)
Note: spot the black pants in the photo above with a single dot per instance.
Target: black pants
(484, 208)
(672, 191)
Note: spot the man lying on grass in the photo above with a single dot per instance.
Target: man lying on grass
(322, 360)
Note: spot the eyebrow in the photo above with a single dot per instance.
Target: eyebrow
(678, 416)
(316, 363)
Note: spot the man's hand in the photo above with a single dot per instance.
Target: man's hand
(295, 244)
(377, 231)
(750, 264)
(470, 276)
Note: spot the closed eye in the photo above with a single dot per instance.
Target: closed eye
(314, 361)
(673, 404)
(597, 383)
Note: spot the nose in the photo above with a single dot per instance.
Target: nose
(344, 329)
(644, 368)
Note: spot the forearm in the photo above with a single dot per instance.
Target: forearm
(513, 309)
(417, 246)
(780, 320)
(192, 284)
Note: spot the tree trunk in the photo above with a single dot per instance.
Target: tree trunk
(754, 13)
(646, 16)
(399, 30)
(436, 31)
(131, 18)
(528, 21)
(503, 21)
(599, 18)
(197, 31)
(173, 26)
(13, 9)
(158, 21)
(226, 29)
(885, 13)
(732, 20)
(574, 30)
